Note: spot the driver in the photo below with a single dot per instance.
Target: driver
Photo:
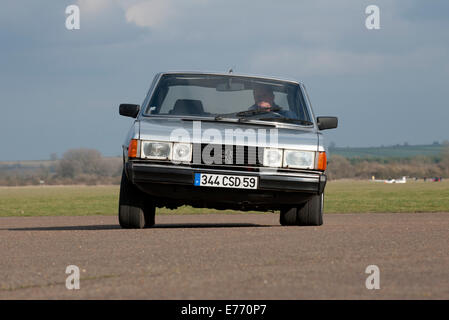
(264, 100)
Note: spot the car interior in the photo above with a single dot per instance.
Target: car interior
(187, 107)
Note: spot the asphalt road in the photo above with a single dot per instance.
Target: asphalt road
(226, 257)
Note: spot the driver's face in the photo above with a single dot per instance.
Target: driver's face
(264, 104)
(264, 98)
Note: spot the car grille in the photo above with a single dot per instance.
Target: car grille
(229, 155)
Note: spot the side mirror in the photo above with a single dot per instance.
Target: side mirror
(327, 122)
(129, 110)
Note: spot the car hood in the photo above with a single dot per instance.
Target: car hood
(197, 131)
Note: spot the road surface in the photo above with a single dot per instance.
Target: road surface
(226, 256)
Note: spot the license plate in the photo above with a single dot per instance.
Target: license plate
(225, 181)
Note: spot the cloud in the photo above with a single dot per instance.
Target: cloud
(94, 6)
(151, 14)
(143, 13)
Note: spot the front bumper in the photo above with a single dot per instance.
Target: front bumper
(141, 173)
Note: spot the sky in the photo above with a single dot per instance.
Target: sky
(60, 89)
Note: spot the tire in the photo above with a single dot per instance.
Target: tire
(136, 210)
(309, 213)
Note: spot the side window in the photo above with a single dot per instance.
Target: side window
(168, 102)
(148, 96)
(305, 115)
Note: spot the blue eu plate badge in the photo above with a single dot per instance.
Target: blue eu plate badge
(197, 179)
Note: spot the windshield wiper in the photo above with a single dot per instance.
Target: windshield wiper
(288, 120)
(220, 118)
(249, 113)
(245, 113)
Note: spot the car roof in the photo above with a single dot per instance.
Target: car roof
(231, 74)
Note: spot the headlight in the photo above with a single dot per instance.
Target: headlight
(272, 157)
(299, 159)
(156, 150)
(182, 152)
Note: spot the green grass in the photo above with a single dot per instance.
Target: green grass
(58, 200)
(367, 196)
(341, 196)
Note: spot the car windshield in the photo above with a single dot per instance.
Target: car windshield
(228, 96)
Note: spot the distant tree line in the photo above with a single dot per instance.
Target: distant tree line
(340, 167)
(77, 166)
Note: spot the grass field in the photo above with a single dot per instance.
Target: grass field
(341, 197)
(347, 196)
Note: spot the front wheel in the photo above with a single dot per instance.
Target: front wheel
(136, 210)
(309, 213)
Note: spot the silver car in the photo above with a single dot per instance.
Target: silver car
(224, 141)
